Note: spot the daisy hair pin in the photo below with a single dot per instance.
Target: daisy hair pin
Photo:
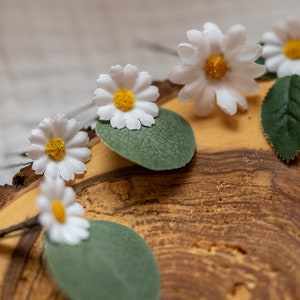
(215, 68)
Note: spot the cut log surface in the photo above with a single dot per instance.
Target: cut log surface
(225, 226)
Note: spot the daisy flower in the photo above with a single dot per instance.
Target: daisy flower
(58, 148)
(282, 47)
(126, 98)
(217, 66)
(59, 214)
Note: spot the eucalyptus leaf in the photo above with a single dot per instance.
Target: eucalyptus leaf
(114, 263)
(280, 116)
(168, 144)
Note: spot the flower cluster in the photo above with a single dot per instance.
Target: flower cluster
(215, 67)
(58, 149)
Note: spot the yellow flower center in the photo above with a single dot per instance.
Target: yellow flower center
(124, 100)
(215, 66)
(55, 149)
(292, 49)
(58, 210)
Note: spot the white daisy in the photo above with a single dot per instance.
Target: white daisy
(126, 98)
(59, 214)
(58, 148)
(282, 47)
(217, 67)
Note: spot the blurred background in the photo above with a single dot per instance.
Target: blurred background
(52, 51)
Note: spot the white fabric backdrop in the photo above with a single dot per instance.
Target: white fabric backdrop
(52, 51)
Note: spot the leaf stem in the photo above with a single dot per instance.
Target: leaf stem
(31, 222)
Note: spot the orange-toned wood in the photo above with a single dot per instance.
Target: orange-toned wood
(226, 226)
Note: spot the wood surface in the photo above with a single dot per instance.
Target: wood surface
(226, 226)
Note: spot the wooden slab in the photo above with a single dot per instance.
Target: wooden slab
(226, 226)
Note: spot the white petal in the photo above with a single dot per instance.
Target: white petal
(191, 90)
(40, 165)
(71, 129)
(272, 38)
(226, 101)
(64, 171)
(241, 101)
(250, 69)
(106, 112)
(46, 189)
(281, 31)
(43, 202)
(55, 233)
(183, 74)
(250, 52)
(80, 153)
(271, 50)
(285, 68)
(117, 74)
(143, 80)
(102, 97)
(52, 169)
(130, 75)
(198, 40)
(105, 82)
(243, 83)
(75, 210)
(204, 103)
(235, 38)
(148, 107)
(213, 35)
(228, 98)
(60, 125)
(78, 222)
(132, 122)
(74, 165)
(58, 187)
(83, 233)
(46, 219)
(68, 197)
(296, 68)
(149, 94)
(35, 152)
(70, 237)
(145, 119)
(80, 232)
(274, 62)
(188, 54)
(38, 137)
(74, 235)
(293, 26)
(46, 125)
(79, 139)
(118, 120)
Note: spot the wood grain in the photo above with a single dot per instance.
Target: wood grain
(226, 226)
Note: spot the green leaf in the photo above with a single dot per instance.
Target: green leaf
(268, 75)
(114, 263)
(169, 144)
(280, 116)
